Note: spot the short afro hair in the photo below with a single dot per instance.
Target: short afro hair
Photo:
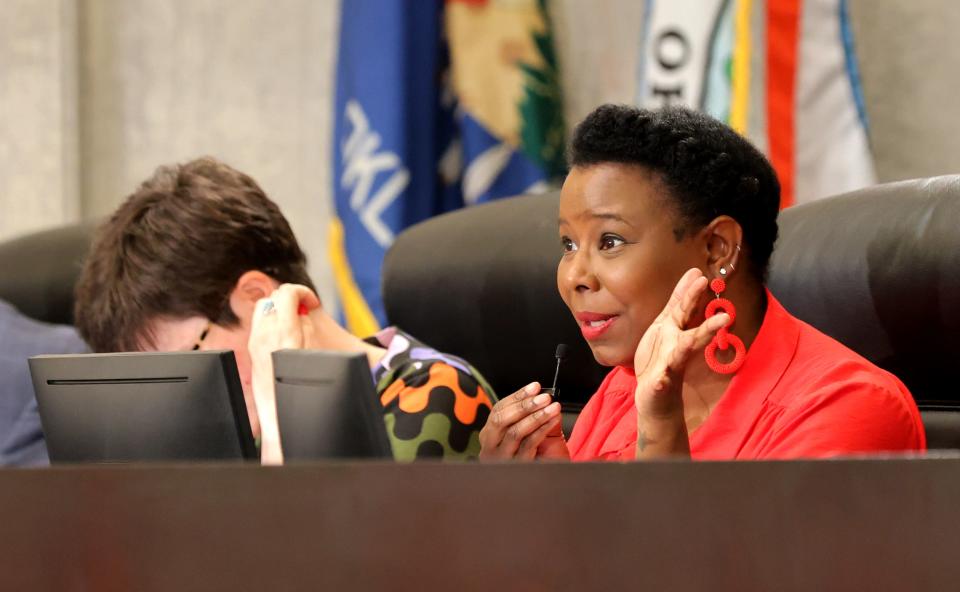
(707, 168)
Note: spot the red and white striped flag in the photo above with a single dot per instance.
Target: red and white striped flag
(781, 72)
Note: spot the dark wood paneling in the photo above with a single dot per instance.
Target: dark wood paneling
(833, 525)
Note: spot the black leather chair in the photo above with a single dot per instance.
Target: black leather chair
(39, 271)
(878, 269)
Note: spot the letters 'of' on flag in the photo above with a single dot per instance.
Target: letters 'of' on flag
(781, 72)
(436, 107)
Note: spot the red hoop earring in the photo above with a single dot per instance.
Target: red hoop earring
(723, 339)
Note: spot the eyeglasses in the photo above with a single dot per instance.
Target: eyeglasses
(203, 335)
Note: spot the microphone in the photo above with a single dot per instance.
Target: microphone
(560, 355)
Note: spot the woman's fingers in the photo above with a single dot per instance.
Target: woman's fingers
(516, 434)
(511, 409)
(309, 332)
(707, 329)
(258, 313)
(530, 445)
(679, 290)
(648, 351)
(287, 300)
(684, 298)
(696, 339)
(296, 294)
(506, 414)
(492, 432)
(681, 314)
(514, 419)
(528, 391)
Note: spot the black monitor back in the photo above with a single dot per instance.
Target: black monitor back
(142, 407)
(327, 406)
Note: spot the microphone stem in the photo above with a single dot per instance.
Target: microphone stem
(556, 373)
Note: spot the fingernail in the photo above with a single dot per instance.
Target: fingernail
(532, 388)
(541, 398)
(552, 408)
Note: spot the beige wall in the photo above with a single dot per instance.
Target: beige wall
(909, 56)
(247, 81)
(597, 44)
(38, 131)
(95, 93)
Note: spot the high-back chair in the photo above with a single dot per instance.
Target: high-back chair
(877, 269)
(38, 271)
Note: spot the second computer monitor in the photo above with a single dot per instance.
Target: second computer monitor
(327, 406)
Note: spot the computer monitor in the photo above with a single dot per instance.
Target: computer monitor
(327, 406)
(142, 407)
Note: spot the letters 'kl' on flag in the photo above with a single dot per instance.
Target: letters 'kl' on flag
(437, 106)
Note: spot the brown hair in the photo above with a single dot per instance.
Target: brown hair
(176, 248)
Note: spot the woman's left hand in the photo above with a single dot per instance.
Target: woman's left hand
(660, 360)
(277, 324)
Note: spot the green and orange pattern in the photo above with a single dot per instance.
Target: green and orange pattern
(434, 404)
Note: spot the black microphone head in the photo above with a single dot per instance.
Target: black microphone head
(561, 351)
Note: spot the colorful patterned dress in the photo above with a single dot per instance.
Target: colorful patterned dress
(434, 404)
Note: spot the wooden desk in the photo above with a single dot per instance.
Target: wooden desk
(834, 525)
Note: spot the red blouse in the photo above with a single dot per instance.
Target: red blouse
(798, 394)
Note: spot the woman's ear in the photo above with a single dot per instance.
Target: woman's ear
(251, 287)
(724, 235)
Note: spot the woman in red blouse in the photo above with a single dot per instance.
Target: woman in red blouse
(657, 206)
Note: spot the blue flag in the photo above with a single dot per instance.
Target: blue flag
(386, 144)
(406, 149)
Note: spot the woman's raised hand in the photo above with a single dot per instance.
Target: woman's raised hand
(523, 426)
(660, 360)
(278, 323)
